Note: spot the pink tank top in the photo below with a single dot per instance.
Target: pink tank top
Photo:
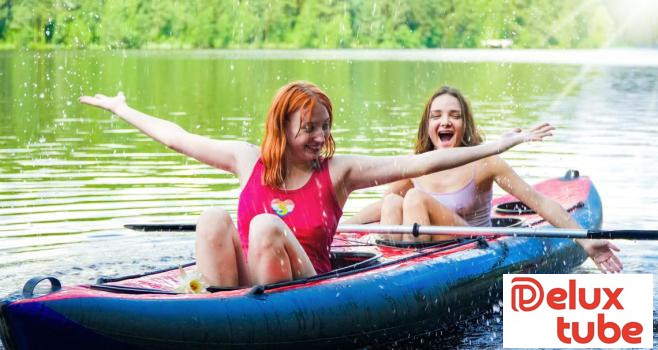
(311, 211)
(467, 202)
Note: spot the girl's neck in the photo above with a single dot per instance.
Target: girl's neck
(297, 174)
(294, 168)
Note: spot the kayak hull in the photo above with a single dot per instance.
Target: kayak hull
(380, 303)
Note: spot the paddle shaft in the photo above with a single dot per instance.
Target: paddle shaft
(455, 231)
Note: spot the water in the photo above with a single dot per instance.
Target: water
(72, 176)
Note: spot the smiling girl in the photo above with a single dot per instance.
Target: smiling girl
(293, 186)
(461, 196)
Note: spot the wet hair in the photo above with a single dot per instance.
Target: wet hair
(296, 96)
(471, 136)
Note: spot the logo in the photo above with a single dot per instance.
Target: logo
(578, 311)
(282, 208)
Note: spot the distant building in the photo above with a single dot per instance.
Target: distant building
(497, 43)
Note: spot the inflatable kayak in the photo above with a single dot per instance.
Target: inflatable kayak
(378, 293)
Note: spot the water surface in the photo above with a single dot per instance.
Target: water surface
(72, 176)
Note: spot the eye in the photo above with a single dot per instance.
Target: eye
(325, 127)
(456, 116)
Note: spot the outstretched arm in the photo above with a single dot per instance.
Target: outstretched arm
(365, 171)
(216, 153)
(601, 251)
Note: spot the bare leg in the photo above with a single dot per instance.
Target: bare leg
(218, 251)
(391, 214)
(419, 207)
(275, 255)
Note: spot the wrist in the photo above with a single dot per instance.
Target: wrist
(120, 109)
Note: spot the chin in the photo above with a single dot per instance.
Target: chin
(444, 147)
(311, 157)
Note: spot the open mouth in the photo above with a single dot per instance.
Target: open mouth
(313, 149)
(446, 136)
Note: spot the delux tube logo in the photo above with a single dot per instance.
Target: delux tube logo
(578, 311)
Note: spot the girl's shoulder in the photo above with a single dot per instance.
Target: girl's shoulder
(486, 169)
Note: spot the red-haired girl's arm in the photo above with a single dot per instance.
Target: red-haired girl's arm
(233, 156)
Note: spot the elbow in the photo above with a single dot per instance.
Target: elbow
(173, 140)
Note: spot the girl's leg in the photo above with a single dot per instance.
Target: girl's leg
(391, 214)
(218, 251)
(419, 207)
(275, 255)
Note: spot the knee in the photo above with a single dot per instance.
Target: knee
(414, 198)
(392, 203)
(214, 225)
(266, 232)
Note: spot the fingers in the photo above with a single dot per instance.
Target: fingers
(608, 262)
(100, 100)
(618, 266)
(539, 132)
(544, 127)
(613, 246)
(612, 265)
(87, 100)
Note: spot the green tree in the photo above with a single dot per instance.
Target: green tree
(5, 17)
(304, 23)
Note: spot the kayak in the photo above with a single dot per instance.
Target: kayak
(379, 292)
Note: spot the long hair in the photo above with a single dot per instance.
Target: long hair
(471, 136)
(296, 96)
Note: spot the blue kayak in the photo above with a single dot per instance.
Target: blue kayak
(378, 293)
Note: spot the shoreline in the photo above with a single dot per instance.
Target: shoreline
(600, 57)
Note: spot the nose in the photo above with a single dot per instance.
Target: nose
(320, 135)
(445, 121)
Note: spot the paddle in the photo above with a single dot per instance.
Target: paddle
(455, 231)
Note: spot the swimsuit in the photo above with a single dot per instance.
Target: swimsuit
(467, 202)
(311, 211)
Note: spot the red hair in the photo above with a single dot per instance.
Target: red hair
(293, 97)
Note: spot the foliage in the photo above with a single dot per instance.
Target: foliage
(303, 23)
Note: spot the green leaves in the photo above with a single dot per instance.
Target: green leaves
(303, 23)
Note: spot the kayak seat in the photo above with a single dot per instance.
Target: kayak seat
(507, 222)
(514, 208)
(415, 245)
(353, 260)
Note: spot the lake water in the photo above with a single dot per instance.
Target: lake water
(72, 176)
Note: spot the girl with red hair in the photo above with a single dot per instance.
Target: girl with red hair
(293, 187)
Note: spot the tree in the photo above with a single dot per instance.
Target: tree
(5, 17)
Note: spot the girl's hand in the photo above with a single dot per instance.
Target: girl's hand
(517, 136)
(111, 104)
(602, 253)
